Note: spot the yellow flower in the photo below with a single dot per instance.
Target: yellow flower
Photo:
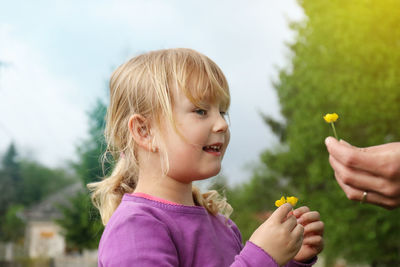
(280, 202)
(291, 200)
(331, 117)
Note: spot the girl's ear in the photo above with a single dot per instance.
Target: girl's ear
(140, 130)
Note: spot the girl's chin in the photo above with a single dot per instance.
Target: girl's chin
(190, 177)
(209, 175)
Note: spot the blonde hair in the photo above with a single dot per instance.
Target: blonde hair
(144, 85)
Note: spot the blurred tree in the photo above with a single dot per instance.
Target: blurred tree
(89, 166)
(81, 223)
(24, 182)
(12, 225)
(346, 59)
(81, 220)
(39, 181)
(10, 182)
(10, 178)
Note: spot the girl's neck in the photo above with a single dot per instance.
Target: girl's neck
(166, 188)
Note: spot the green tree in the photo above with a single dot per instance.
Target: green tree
(10, 178)
(81, 223)
(345, 59)
(81, 220)
(10, 182)
(89, 166)
(39, 181)
(13, 226)
(24, 182)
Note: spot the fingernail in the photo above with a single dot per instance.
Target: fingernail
(288, 204)
(328, 140)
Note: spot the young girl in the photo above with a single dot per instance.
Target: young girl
(166, 128)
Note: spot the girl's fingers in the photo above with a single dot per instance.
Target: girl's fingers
(290, 223)
(280, 214)
(314, 228)
(315, 240)
(298, 231)
(309, 217)
(299, 211)
(297, 235)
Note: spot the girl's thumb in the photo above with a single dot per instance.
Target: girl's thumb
(281, 213)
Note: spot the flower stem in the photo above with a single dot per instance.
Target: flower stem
(334, 130)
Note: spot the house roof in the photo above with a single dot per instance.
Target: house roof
(47, 210)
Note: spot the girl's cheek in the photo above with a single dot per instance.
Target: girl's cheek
(227, 137)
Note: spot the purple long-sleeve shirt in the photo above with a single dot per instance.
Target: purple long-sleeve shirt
(144, 232)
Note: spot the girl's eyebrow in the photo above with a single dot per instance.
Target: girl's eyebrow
(202, 104)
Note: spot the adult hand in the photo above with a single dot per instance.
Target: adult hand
(374, 170)
(313, 242)
(280, 236)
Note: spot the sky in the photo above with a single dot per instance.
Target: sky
(56, 58)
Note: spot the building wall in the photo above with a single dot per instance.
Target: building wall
(44, 240)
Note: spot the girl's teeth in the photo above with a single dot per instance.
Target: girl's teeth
(215, 148)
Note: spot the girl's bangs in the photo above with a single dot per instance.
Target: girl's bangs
(206, 85)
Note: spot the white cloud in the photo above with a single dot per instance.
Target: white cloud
(139, 14)
(52, 78)
(245, 38)
(36, 106)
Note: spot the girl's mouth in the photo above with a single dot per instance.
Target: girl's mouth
(214, 148)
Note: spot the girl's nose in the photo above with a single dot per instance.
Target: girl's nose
(220, 125)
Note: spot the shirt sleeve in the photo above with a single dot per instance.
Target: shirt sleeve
(253, 255)
(293, 263)
(138, 240)
(250, 255)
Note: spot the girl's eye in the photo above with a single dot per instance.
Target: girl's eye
(201, 112)
(224, 114)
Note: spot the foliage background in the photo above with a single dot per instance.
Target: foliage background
(23, 183)
(345, 59)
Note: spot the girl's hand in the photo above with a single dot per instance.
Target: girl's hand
(313, 231)
(280, 236)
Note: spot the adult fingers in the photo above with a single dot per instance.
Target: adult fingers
(387, 157)
(356, 178)
(344, 142)
(365, 181)
(280, 213)
(354, 157)
(372, 197)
